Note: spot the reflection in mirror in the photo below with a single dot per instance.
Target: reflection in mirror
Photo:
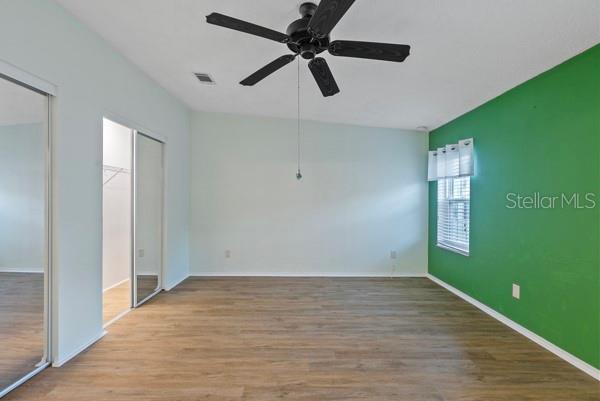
(147, 284)
(148, 220)
(23, 128)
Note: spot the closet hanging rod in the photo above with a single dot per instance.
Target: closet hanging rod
(115, 170)
(108, 167)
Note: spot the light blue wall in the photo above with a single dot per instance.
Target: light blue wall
(93, 81)
(363, 195)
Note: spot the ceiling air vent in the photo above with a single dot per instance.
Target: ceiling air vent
(204, 78)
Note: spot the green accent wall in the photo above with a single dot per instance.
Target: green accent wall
(542, 136)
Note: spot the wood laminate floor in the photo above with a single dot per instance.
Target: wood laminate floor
(21, 324)
(264, 339)
(115, 301)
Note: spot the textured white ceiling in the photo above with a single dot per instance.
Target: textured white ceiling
(464, 53)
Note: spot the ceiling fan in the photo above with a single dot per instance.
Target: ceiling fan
(309, 36)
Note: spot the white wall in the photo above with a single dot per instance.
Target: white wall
(22, 181)
(364, 194)
(93, 81)
(116, 205)
(116, 144)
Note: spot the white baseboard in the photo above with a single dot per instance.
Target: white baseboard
(116, 285)
(323, 275)
(116, 318)
(21, 270)
(561, 353)
(61, 362)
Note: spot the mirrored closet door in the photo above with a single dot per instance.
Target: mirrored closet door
(148, 217)
(24, 250)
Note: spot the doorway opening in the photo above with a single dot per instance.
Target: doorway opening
(117, 234)
(132, 219)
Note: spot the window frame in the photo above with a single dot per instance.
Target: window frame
(448, 244)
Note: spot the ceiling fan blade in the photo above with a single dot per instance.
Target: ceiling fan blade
(369, 50)
(268, 70)
(247, 27)
(328, 14)
(323, 76)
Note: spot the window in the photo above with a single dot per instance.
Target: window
(454, 196)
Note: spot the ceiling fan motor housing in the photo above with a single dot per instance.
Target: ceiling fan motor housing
(301, 41)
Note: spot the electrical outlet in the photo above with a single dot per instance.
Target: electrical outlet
(227, 253)
(141, 253)
(516, 291)
(393, 255)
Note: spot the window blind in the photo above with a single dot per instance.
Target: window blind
(454, 199)
(454, 160)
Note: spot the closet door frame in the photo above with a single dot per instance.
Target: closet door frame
(160, 286)
(19, 77)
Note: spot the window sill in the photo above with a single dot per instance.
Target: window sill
(453, 249)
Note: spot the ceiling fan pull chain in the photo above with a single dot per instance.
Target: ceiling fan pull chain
(298, 174)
